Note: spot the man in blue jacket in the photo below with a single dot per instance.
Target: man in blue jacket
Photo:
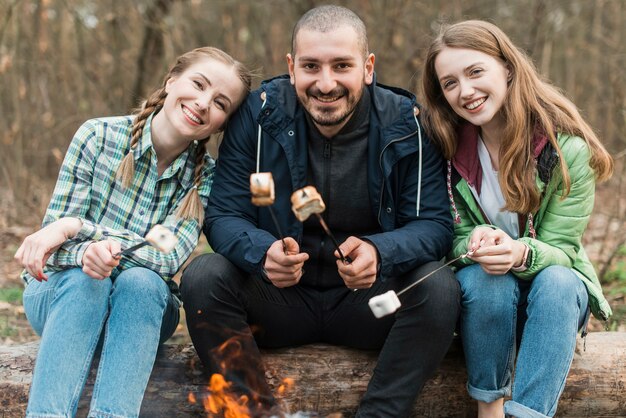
(328, 124)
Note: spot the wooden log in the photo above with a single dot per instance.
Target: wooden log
(332, 380)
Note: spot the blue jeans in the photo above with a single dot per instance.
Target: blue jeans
(70, 311)
(541, 317)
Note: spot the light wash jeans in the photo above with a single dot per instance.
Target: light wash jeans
(542, 317)
(136, 311)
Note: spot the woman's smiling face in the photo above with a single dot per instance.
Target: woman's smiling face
(474, 84)
(200, 100)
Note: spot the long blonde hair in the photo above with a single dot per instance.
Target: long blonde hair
(191, 207)
(531, 104)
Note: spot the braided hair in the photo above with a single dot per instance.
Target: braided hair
(191, 206)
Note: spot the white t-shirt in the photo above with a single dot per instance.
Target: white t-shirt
(491, 199)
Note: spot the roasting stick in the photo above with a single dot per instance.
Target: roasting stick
(388, 302)
(332, 238)
(306, 202)
(262, 189)
(159, 237)
(412, 285)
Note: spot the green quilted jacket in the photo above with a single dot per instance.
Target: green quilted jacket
(554, 233)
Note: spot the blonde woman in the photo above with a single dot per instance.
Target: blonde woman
(121, 176)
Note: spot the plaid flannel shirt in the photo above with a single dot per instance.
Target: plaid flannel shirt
(87, 188)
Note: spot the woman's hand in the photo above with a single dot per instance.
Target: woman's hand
(99, 259)
(38, 247)
(495, 250)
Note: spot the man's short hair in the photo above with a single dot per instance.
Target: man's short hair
(330, 17)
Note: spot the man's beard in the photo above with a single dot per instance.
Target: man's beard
(330, 117)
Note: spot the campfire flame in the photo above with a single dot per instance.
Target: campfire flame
(221, 401)
(222, 398)
(286, 386)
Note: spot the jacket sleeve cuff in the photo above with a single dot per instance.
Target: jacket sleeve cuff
(532, 261)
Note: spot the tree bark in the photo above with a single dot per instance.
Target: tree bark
(332, 380)
(152, 46)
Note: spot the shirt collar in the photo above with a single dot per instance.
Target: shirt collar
(177, 167)
(145, 142)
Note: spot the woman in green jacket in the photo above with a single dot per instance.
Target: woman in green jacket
(522, 167)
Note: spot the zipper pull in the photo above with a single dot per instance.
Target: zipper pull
(326, 148)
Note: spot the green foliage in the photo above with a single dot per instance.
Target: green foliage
(619, 315)
(617, 273)
(6, 329)
(11, 294)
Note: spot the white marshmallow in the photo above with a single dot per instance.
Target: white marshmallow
(161, 238)
(262, 189)
(385, 304)
(306, 202)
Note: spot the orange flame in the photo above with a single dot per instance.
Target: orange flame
(287, 385)
(221, 402)
(222, 398)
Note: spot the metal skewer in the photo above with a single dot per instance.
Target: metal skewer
(431, 273)
(131, 249)
(280, 233)
(332, 237)
(269, 207)
(388, 302)
(159, 237)
(317, 209)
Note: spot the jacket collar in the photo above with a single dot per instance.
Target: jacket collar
(466, 161)
(391, 110)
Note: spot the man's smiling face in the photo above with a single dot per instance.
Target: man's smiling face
(329, 73)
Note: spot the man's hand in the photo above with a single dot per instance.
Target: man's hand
(99, 260)
(283, 267)
(495, 250)
(361, 272)
(38, 247)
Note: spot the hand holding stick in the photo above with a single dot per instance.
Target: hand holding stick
(262, 189)
(159, 237)
(306, 202)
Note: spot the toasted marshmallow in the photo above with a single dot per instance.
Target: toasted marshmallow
(305, 202)
(385, 304)
(161, 238)
(262, 189)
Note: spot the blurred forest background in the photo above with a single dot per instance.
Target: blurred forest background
(64, 61)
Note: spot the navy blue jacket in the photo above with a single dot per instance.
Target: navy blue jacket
(406, 180)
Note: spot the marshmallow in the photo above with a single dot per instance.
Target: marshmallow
(385, 304)
(305, 202)
(262, 189)
(161, 238)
